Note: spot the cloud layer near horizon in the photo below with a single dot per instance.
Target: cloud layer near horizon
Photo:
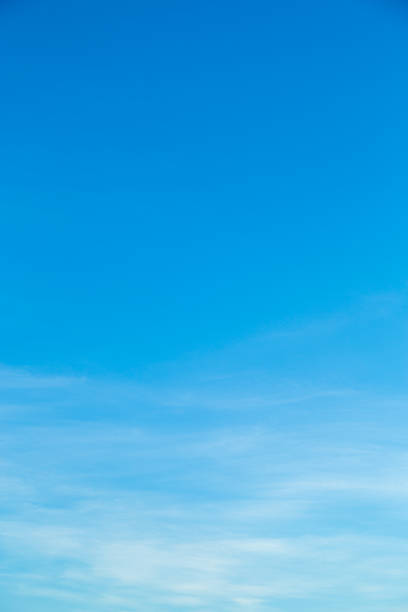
(227, 487)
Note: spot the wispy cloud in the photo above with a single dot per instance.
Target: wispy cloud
(11, 378)
(215, 492)
(192, 545)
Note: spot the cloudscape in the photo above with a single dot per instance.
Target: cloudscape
(203, 330)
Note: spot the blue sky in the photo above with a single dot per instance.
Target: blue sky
(203, 303)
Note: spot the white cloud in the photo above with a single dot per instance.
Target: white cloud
(121, 496)
(11, 378)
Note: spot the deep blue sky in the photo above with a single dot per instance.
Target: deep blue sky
(177, 175)
(203, 298)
